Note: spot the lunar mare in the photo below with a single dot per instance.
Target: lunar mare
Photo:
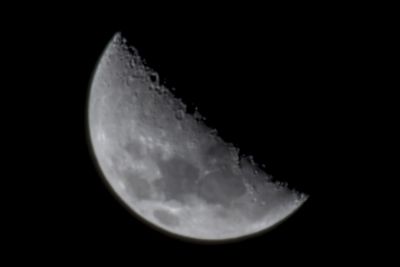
(166, 165)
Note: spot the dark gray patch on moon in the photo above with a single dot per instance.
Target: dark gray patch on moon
(134, 149)
(221, 187)
(178, 178)
(181, 179)
(136, 186)
(166, 217)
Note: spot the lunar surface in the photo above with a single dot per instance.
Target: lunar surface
(167, 165)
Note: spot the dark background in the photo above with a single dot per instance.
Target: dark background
(279, 85)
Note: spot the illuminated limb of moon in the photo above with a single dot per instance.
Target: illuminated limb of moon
(167, 165)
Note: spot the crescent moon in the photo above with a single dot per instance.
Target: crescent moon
(167, 166)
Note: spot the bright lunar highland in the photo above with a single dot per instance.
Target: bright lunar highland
(167, 165)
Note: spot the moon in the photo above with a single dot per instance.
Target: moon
(166, 165)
